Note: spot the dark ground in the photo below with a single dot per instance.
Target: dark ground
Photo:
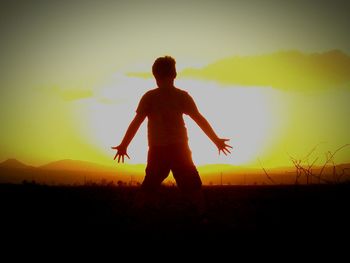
(233, 211)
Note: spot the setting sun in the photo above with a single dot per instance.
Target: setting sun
(248, 116)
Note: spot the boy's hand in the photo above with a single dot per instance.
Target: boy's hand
(222, 146)
(121, 152)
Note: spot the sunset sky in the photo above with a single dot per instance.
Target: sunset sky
(272, 76)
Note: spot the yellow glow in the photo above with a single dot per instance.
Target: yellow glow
(263, 115)
(56, 100)
(248, 116)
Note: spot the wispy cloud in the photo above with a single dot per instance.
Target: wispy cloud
(144, 75)
(290, 70)
(68, 94)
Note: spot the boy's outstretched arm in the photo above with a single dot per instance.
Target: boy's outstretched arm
(129, 135)
(208, 130)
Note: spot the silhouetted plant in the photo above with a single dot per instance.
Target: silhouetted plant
(304, 167)
(265, 172)
(330, 158)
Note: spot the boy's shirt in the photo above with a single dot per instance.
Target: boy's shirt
(164, 108)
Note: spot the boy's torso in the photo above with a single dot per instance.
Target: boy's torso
(164, 108)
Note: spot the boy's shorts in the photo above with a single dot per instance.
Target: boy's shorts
(176, 158)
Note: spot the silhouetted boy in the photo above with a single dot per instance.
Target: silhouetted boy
(164, 107)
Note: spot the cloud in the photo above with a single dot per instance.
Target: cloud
(68, 94)
(143, 75)
(288, 70)
(75, 94)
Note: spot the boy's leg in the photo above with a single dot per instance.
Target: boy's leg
(188, 179)
(156, 171)
(191, 187)
(148, 195)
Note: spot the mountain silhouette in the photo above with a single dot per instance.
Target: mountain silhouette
(14, 163)
(74, 171)
(68, 172)
(76, 165)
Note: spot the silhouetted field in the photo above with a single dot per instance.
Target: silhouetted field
(232, 210)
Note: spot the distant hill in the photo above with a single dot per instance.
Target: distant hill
(69, 172)
(75, 165)
(345, 166)
(226, 168)
(13, 163)
(81, 172)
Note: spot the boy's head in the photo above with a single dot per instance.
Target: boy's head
(164, 68)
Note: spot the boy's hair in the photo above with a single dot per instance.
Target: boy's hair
(164, 67)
